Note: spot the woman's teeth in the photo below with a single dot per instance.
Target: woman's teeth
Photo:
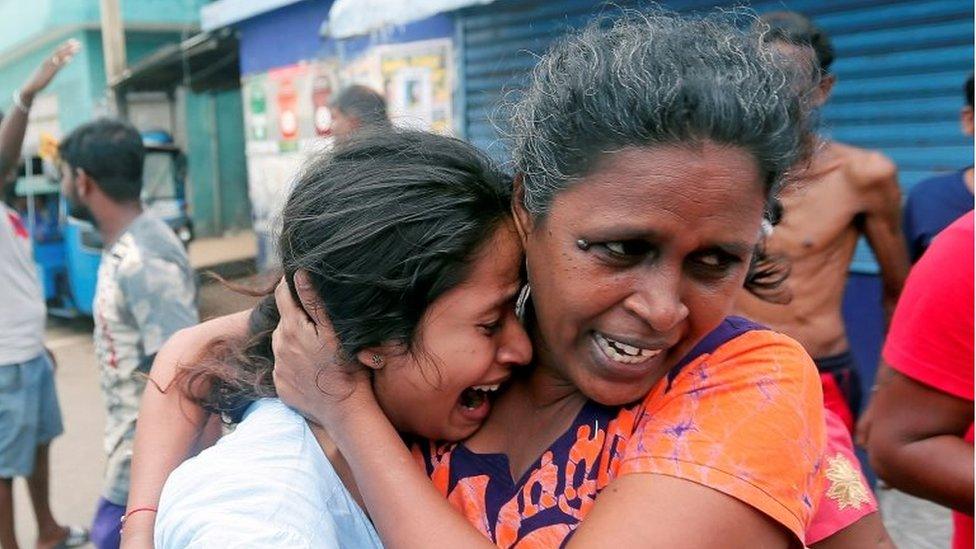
(623, 353)
(488, 388)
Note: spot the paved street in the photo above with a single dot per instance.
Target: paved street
(77, 456)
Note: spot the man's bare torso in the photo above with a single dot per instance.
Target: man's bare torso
(818, 233)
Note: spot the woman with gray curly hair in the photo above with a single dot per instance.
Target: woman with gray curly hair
(648, 150)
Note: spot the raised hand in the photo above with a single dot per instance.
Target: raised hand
(43, 75)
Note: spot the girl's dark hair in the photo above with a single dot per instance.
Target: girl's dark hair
(384, 225)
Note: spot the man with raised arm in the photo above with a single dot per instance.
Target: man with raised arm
(30, 416)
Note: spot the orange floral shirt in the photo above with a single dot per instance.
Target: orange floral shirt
(742, 415)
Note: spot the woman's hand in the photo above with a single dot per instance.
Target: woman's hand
(309, 374)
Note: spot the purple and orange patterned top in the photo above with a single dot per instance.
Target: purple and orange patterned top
(742, 415)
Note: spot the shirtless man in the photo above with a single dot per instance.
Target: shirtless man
(843, 193)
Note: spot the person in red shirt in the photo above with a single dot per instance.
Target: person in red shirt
(920, 437)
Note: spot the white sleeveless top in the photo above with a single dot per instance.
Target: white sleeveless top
(267, 484)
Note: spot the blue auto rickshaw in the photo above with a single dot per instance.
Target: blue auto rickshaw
(67, 251)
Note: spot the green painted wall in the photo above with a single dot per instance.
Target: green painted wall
(235, 204)
(200, 162)
(72, 86)
(137, 46)
(30, 30)
(214, 122)
(215, 152)
(80, 86)
(20, 21)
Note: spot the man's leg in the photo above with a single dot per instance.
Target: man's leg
(49, 532)
(48, 427)
(7, 538)
(17, 442)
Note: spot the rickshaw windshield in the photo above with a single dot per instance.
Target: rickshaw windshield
(159, 176)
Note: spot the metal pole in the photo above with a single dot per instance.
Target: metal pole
(113, 48)
(218, 207)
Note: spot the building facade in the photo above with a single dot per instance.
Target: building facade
(79, 93)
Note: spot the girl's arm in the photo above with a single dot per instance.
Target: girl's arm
(171, 427)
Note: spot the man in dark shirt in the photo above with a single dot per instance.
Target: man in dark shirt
(938, 201)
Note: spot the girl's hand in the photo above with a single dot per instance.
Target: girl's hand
(309, 374)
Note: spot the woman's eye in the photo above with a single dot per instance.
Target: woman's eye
(710, 260)
(715, 262)
(625, 249)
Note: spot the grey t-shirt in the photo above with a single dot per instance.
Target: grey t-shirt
(146, 291)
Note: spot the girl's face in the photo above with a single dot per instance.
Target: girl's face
(639, 260)
(467, 344)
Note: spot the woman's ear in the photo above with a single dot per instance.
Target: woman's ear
(523, 219)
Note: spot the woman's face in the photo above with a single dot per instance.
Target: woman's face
(639, 260)
(467, 344)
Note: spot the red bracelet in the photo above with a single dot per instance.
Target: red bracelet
(134, 511)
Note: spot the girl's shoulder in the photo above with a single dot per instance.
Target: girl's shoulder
(269, 471)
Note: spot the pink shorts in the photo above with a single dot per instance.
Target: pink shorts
(847, 496)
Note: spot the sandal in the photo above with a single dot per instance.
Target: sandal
(76, 537)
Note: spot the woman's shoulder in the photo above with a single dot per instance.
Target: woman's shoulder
(742, 351)
(743, 416)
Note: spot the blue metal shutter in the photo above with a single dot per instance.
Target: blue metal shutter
(900, 66)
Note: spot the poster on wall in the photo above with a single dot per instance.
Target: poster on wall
(291, 89)
(418, 83)
(287, 116)
(364, 70)
(325, 84)
(270, 178)
(259, 115)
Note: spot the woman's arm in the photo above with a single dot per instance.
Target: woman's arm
(171, 427)
(867, 533)
(413, 514)
(659, 510)
(643, 510)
